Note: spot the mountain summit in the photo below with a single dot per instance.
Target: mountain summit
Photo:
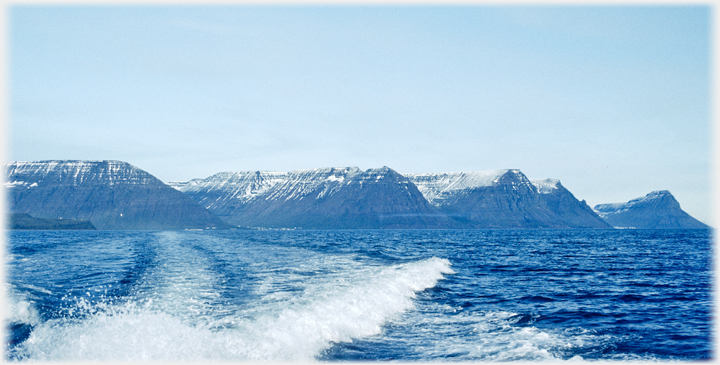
(656, 210)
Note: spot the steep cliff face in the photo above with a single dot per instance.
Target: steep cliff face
(319, 198)
(109, 194)
(505, 199)
(568, 209)
(656, 210)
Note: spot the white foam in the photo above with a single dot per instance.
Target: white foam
(354, 307)
(21, 310)
(500, 341)
(495, 337)
(332, 309)
(182, 283)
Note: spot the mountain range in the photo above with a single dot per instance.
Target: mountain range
(116, 195)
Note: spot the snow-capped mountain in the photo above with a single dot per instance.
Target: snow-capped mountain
(227, 189)
(382, 198)
(117, 195)
(656, 210)
(440, 186)
(109, 194)
(505, 199)
(320, 198)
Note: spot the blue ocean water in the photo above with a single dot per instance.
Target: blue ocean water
(405, 295)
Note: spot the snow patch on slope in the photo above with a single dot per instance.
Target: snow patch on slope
(546, 186)
(245, 186)
(74, 173)
(434, 185)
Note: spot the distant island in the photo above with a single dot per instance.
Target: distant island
(114, 195)
(25, 221)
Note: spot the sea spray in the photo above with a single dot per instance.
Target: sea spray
(352, 306)
(339, 311)
(501, 336)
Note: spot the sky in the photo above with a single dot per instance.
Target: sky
(614, 101)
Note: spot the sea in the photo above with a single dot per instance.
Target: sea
(359, 295)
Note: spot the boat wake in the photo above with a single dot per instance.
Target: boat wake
(176, 315)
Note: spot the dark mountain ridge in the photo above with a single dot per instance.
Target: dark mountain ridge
(506, 199)
(111, 195)
(656, 210)
(26, 221)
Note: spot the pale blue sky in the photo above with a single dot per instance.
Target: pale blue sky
(613, 101)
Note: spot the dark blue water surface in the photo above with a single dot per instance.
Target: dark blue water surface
(407, 295)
